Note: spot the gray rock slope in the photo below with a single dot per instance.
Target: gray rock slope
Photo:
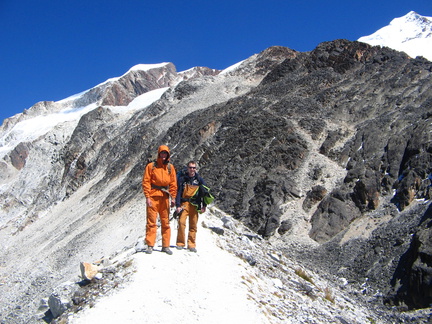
(325, 154)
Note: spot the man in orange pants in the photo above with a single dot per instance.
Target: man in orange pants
(188, 184)
(159, 185)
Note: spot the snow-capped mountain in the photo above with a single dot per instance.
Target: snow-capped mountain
(411, 34)
(136, 89)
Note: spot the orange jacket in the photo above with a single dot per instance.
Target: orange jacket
(159, 175)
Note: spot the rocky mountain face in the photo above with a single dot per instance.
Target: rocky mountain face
(326, 154)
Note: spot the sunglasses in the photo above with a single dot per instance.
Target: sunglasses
(192, 167)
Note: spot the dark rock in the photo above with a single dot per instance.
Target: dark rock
(285, 226)
(217, 230)
(315, 195)
(333, 215)
(19, 155)
(412, 280)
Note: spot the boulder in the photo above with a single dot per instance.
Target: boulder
(19, 155)
(89, 270)
(313, 196)
(60, 299)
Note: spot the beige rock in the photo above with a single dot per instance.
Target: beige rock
(88, 270)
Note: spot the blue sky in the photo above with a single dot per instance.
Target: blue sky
(50, 50)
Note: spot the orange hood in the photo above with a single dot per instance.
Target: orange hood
(166, 149)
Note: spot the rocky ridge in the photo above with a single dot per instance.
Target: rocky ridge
(282, 290)
(325, 154)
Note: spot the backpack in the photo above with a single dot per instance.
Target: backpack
(181, 173)
(201, 197)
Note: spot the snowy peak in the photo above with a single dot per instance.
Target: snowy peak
(114, 92)
(139, 86)
(138, 80)
(411, 34)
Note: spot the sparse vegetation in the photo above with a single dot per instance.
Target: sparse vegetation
(328, 295)
(248, 278)
(128, 263)
(371, 320)
(302, 274)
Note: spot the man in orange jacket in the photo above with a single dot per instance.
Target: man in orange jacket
(159, 185)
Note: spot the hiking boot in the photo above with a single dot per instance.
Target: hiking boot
(178, 247)
(149, 250)
(167, 250)
(192, 250)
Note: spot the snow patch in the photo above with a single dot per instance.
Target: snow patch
(147, 67)
(30, 129)
(231, 68)
(73, 97)
(140, 102)
(138, 67)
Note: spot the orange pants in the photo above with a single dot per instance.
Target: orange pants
(160, 205)
(191, 211)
